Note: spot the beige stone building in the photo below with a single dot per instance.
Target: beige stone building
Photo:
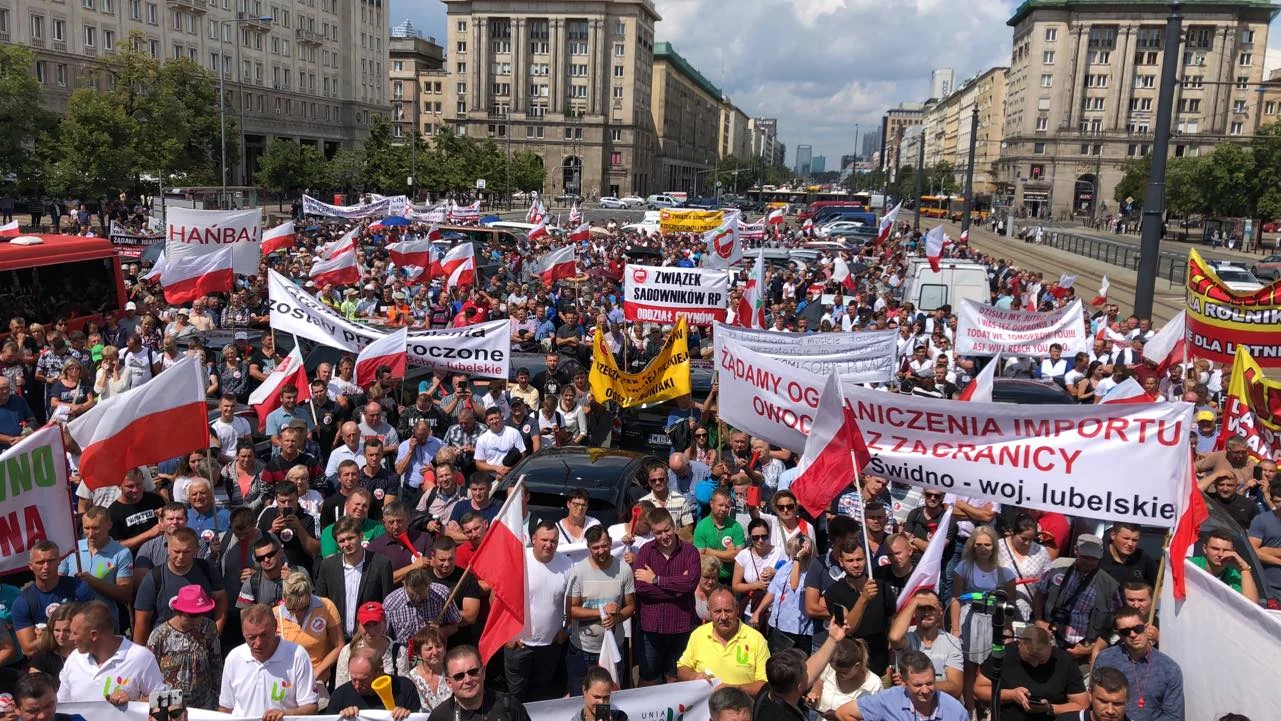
(894, 124)
(417, 82)
(309, 70)
(687, 120)
(947, 125)
(1082, 93)
(735, 131)
(569, 80)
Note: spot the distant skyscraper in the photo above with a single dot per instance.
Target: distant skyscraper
(803, 158)
(942, 82)
(818, 164)
(846, 160)
(871, 144)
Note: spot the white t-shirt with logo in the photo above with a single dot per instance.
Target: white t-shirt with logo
(251, 687)
(132, 669)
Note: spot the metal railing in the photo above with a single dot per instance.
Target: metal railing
(1172, 267)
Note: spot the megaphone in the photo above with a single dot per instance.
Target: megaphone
(404, 541)
(382, 687)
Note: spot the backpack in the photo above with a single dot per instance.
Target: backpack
(156, 574)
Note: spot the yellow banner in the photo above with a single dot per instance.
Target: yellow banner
(689, 221)
(1252, 409)
(1221, 320)
(665, 378)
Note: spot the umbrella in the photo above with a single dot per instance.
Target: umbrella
(394, 220)
(490, 219)
(599, 232)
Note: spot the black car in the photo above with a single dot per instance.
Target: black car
(702, 203)
(644, 428)
(614, 480)
(1029, 391)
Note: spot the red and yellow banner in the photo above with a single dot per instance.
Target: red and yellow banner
(1221, 320)
(1252, 409)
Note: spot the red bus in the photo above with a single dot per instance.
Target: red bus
(45, 277)
(812, 209)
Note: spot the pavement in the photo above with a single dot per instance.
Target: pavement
(1173, 243)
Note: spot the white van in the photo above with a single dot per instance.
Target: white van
(956, 280)
(648, 224)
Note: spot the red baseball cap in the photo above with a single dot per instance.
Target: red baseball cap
(370, 612)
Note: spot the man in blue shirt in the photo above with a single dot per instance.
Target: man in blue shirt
(104, 563)
(287, 412)
(48, 591)
(14, 412)
(916, 700)
(1156, 681)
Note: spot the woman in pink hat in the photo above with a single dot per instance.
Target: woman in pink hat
(187, 649)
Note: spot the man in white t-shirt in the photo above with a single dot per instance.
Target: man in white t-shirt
(229, 428)
(104, 665)
(531, 663)
(494, 447)
(267, 677)
(140, 362)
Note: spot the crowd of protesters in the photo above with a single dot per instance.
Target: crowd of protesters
(282, 578)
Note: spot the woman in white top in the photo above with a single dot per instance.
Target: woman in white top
(1026, 559)
(309, 499)
(191, 466)
(169, 353)
(573, 527)
(844, 679)
(978, 571)
(112, 378)
(573, 432)
(755, 566)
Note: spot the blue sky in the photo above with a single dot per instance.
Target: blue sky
(821, 66)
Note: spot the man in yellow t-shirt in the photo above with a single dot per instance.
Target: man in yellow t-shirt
(724, 648)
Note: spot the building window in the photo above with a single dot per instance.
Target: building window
(153, 14)
(398, 66)
(462, 67)
(1145, 57)
(1091, 103)
(1047, 58)
(1141, 105)
(538, 34)
(153, 48)
(1047, 80)
(620, 50)
(91, 35)
(1245, 60)
(576, 32)
(618, 91)
(1144, 82)
(578, 91)
(462, 46)
(1189, 105)
(1038, 148)
(462, 26)
(1096, 81)
(1238, 106)
(108, 40)
(501, 88)
(1051, 34)
(59, 30)
(1199, 38)
(616, 134)
(618, 71)
(1194, 82)
(615, 158)
(60, 74)
(1042, 124)
(1243, 82)
(1102, 38)
(42, 74)
(1235, 128)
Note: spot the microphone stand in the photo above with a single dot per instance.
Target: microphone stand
(997, 603)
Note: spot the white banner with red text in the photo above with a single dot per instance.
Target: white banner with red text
(985, 330)
(378, 208)
(1226, 646)
(660, 294)
(683, 701)
(861, 357)
(481, 350)
(33, 498)
(1057, 458)
(189, 231)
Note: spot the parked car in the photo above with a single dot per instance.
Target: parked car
(1238, 279)
(1268, 269)
(706, 203)
(633, 201)
(568, 198)
(611, 202)
(654, 202)
(614, 481)
(644, 428)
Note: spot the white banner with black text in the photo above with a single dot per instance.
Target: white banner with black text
(862, 357)
(985, 330)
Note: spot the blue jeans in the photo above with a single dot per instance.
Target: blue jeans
(945, 583)
(659, 653)
(577, 661)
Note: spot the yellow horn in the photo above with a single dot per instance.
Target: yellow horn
(382, 687)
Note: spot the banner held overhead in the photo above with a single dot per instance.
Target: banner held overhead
(666, 377)
(863, 357)
(985, 330)
(190, 232)
(663, 294)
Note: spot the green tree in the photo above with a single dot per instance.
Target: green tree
(1266, 149)
(1134, 182)
(528, 171)
(346, 170)
(286, 168)
(93, 120)
(387, 159)
(21, 122)
(1224, 181)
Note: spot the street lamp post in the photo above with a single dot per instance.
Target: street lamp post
(222, 95)
(1154, 202)
(854, 170)
(969, 171)
(920, 181)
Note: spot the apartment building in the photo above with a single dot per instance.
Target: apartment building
(947, 125)
(735, 131)
(417, 80)
(687, 120)
(308, 70)
(1082, 92)
(894, 124)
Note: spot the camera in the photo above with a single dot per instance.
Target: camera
(1060, 616)
(287, 512)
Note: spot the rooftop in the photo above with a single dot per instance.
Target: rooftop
(665, 51)
(1155, 6)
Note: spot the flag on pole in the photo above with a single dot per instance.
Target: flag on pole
(1102, 297)
(1168, 345)
(537, 213)
(808, 226)
(834, 451)
(195, 276)
(341, 270)
(156, 421)
(934, 247)
(751, 303)
(980, 389)
(290, 371)
(887, 224)
(411, 253)
(1186, 531)
(575, 215)
(500, 562)
(459, 266)
(157, 269)
(10, 230)
(841, 273)
(927, 573)
(724, 246)
(391, 350)
(539, 231)
(580, 234)
(332, 250)
(1066, 281)
(775, 217)
(280, 237)
(557, 264)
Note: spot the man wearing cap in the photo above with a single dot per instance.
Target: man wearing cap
(367, 306)
(353, 577)
(348, 306)
(1075, 600)
(358, 694)
(1206, 435)
(105, 665)
(128, 321)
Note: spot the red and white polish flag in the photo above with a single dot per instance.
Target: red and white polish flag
(290, 371)
(580, 234)
(934, 247)
(338, 247)
(163, 418)
(280, 237)
(341, 270)
(841, 273)
(411, 253)
(927, 573)
(575, 215)
(1102, 297)
(1169, 345)
(980, 389)
(557, 264)
(157, 269)
(10, 230)
(195, 276)
(807, 226)
(539, 231)
(751, 304)
(834, 451)
(391, 350)
(887, 224)
(1127, 391)
(775, 217)
(1186, 531)
(459, 266)
(500, 562)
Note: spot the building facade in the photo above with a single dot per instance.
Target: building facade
(417, 80)
(804, 156)
(942, 82)
(1082, 93)
(947, 125)
(765, 143)
(569, 80)
(314, 72)
(687, 121)
(735, 131)
(818, 164)
(894, 124)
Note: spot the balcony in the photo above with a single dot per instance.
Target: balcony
(37, 42)
(309, 37)
(191, 6)
(60, 45)
(255, 23)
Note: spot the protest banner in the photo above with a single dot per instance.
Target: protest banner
(1226, 638)
(190, 232)
(862, 357)
(130, 244)
(33, 498)
(666, 377)
(1051, 458)
(662, 294)
(683, 701)
(1252, 409)
(764, 396)
(985, 330)
(377, 208)
(483, 349)
(689, 221)
(1220, 320)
